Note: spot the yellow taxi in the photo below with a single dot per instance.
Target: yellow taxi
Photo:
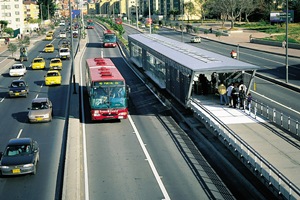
(55, 63)
(38, 63)
(53, 77)
(51, 33)
(49, 37)
(156, 26)
(49, 48)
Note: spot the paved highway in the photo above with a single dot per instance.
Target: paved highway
(13, 123)
(133, 158)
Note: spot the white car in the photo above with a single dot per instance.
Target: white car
(62, 35)
(18, 69)
(75, 31)
(196, 39)
(62, 23)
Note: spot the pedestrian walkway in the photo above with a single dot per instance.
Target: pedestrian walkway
(243, 40)
(278, 148)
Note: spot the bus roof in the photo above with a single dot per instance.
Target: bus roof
(191, 57)
(103, 69)
(108, 31)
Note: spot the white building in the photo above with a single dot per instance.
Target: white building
(13, 12)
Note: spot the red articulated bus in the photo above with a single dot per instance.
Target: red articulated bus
(118, 21)
(110, 38)
(90, 24)
(108, 93)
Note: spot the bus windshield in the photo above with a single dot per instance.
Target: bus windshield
(110, 38)
(108, 97)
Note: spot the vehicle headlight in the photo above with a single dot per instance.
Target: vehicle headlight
(10, 92)
(23, 90)
(28, 165)
(46, 115)
(4, 167)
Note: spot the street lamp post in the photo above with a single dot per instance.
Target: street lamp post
(72, 53)
(136, 15)
(41, 13)
(150, 22)
(287, 42)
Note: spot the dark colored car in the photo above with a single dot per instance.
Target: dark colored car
(21, 156)
(75, 35)
(18, 88)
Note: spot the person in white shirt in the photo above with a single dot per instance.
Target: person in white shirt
(229, 98)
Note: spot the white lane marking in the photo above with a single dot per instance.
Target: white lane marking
(37, 96)
(148, 158)
(284, 106)
(20, 132)
(85, 168)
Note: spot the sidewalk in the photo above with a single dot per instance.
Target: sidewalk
(243, 40)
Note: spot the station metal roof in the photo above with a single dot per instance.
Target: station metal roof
(194, 58)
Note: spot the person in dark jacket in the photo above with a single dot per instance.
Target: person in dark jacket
(235, 96)
(242, 96)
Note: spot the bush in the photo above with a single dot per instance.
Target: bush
(12, 48)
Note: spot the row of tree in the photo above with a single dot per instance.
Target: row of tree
(241, 10)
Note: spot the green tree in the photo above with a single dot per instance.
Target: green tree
(12, 48)
(25, 41)
(9, 31)
(189, 9)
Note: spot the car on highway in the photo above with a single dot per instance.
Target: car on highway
(195, 39)
(64, 53)
(49, 37)
(55, 63)
(38, 63)
(62, 23)
(53, 77)
(63, 35)
(40, 110)
(49, 48)
(75, 35)
(18, 88)
(17, 69)
(51, 33)
(21, 156)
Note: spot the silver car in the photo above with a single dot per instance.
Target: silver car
(40, 111)
(18, 69)
(20, 156)
(196, 39)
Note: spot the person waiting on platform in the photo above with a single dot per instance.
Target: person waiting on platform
(222, 93)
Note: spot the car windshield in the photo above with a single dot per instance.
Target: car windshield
(39, 105)
(64, 50)
(49, 45)
(38, 60)
(17, 84)
(16, 67)
(52, 74)
(17, 150)
(55, 61)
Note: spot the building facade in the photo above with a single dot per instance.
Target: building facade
(12, 11)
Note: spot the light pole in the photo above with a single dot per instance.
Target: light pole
(287, 42)
(150, 22)
(136, 15)
(41, 13)
(72, 53)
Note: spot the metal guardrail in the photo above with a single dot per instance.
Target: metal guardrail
(253, 160)
(277, 117)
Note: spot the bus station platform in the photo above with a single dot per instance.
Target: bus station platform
(255, 138)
